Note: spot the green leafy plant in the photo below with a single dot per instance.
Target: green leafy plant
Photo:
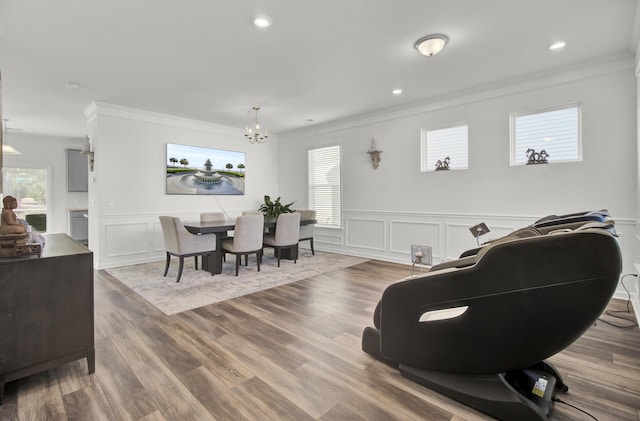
(273, 208)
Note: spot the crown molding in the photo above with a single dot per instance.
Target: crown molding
(97, 108)
(529, 82)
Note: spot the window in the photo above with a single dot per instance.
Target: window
(324, 185)
(438, 144)
(29, 187)
(555, 130)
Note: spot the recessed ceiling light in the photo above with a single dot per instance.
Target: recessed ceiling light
(557, 45)
(396, 91)
(262, 21)
(71, 85)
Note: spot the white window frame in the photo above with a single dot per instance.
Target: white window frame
(427, 164)
(515, 151)
(310, 189)
(22, 212)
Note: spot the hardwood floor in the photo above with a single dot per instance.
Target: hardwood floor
(292, 352)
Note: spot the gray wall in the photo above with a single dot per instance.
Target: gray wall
(388, 209)
(127, 190)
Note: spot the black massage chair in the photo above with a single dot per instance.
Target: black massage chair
(478, 329)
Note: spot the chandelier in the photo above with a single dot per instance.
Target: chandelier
(255, 134)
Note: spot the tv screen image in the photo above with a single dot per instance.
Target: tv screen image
(197, 170)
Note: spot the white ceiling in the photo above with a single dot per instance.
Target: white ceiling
(320, 60)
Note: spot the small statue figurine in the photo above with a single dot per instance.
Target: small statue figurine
(443, 165)
(535, 157)
(10, 224)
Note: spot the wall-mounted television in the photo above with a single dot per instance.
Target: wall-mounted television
(196, 170)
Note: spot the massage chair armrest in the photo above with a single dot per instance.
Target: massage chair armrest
(471, 252)
(457, 263)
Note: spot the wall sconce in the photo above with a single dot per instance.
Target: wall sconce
(88, 150)
(375, 154)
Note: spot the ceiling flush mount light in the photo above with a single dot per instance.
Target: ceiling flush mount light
(396, 91)
(262, 22)
(559, 45)
(255, 134)
(431, 44)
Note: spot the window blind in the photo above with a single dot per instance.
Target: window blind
(324, 185)
(449, 142)
(557, 131)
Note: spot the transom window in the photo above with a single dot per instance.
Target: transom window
(554, 130)
(445, 147)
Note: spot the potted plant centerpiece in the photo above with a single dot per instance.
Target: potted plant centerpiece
(273, 208)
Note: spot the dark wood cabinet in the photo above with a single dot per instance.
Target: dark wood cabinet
(46, 309)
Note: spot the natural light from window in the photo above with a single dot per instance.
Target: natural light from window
(555, 130)
(29, 187)
(446, 142)
(324, 185)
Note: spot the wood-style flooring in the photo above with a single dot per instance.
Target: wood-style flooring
(288, 353)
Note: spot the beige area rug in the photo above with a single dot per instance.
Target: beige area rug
(199, 288)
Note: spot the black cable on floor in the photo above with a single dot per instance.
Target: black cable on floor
(628, 310)
(574, 407)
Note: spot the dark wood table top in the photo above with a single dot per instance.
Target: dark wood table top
(212, 227)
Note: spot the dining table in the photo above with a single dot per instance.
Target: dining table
(221, 228)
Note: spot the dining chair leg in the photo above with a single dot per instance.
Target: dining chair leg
(238, 258)
(180, 266)
(259, 258)
(277, 251)
(196, 259)
(166, 266)
(312, 251)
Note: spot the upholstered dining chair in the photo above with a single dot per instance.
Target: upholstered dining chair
(306, 231)
(181, 243)
(212, 216)
(285, 236)
(246, 240)
(252, 212)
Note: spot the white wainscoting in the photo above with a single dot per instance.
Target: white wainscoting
(411, 232)
(388, 236)
(132, 239)
(366, 233)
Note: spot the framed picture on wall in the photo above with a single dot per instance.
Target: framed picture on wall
(197, 170)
